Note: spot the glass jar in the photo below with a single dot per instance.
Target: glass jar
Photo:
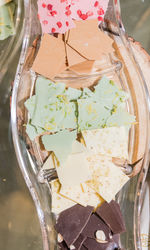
(123, 67)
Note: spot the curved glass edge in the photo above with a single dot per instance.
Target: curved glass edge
(139, 187)
(41, 193)
(13, 43)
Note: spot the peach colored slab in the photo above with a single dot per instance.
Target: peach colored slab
(73, 56)
(89, 40)
(83, 68)
(51, 57)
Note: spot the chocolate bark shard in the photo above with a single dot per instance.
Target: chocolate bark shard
(72, 221)
(79, 242)
(63, 246)
(73, 56)
(51, 57)
(83, 68)
(89, 40)
(116, 238)
(111, 214)
(83, 247)
(92, 244)
(94, 224)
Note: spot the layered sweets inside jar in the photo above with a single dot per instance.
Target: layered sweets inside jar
(78, 116)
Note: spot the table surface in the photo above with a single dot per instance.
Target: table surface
(19, 227)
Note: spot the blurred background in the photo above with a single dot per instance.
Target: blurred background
(136, 19)
(19, 227)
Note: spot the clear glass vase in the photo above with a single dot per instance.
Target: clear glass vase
(114, 66)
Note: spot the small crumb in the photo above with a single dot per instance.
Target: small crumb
(60, 238)
(4, 179)
(72, 247)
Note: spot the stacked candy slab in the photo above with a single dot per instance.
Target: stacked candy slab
(82, 129)
(76, 51)
(57, 16)
(82, 228)
(55, 108)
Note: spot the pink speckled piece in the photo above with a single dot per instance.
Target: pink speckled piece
(56, 16)
(88, 9)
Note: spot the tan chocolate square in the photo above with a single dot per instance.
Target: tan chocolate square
(89, 40)
(51, 57)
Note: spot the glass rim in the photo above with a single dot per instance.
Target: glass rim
(18, 147)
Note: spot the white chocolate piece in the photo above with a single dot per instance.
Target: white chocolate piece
(82, 194)
(107, 178)
(112, 142)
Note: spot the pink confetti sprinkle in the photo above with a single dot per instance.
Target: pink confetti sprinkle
(100, 18)
(53, 13)
(49, 7)
(96, 4)
(68, 12)
(53, 30)
(100, 12)
(45, 22)
(59, 24)
(43, 5)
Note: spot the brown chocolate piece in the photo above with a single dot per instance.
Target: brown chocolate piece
(63, 246)
(83, 68)
(83, 248)
(116, 207)
(73, 57)
(111, 214)
(116, 238)
(72, 221)
(95, 224)
(78, 243)
(78, 50)
(51, 57)
(92, 244)
(89, 40)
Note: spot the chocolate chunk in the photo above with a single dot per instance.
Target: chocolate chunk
(79, 241)
(92, 244)
(117, 207)
(95, 224)
(116, 238)
(63, 246)
(83, 248)
(111, 214)
(72, 221)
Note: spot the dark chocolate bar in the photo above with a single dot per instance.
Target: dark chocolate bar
(72, 221)
(95, 224)
(92, 244)
(111, 214)
(63, 246)
(79, 241)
